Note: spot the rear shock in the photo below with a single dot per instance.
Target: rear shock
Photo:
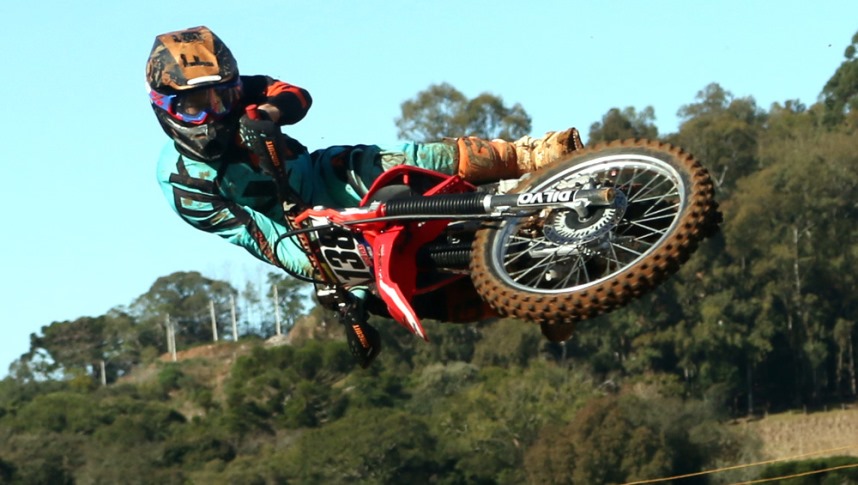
(453, 256)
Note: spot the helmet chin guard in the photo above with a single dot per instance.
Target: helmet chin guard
(206, 142)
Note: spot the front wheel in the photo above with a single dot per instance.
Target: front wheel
(561, 266)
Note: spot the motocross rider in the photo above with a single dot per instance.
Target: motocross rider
(219, 176)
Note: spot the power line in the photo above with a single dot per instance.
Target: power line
(736, 467)
(814, 472)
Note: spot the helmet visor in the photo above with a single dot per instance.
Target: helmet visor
(200, 105)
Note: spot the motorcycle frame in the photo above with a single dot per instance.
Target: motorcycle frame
(386, 235)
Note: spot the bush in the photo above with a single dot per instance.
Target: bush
(369, 446)
(62, 411)
(171, 377)
(628, 438)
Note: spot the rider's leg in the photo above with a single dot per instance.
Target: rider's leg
(475, 159)
(481, 161)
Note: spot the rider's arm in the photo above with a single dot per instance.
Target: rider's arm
(190, 188)
(285, 104)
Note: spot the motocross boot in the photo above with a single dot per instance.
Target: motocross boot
(535, 153)
(363, 339)
(481, 161)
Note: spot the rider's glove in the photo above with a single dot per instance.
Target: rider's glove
(262, 138)
(269, 148)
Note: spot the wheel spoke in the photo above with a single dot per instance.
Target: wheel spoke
(528, 269)
(583, 270)
(656, 218)
(646, 189)
(639, 191)
(579, 261)
(652, 230)
(544, 264)
(626, 249)
(631, 181)
(657, 198)
(615, 259)
(673, 209)
(521, 253)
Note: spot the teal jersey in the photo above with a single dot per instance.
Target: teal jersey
(239, 204)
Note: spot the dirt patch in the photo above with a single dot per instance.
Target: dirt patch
(791, 434)
(210, 351)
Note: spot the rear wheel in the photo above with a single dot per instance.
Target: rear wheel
(560, 266)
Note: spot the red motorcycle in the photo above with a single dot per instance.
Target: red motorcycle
(576, 239)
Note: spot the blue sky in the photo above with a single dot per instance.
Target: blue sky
(85, 227)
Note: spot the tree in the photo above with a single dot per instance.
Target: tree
(630, 438)
(486, 421)
(67, 345)
(42, 457)
(448, 343)
(442, 111)
(844, 337)
(391, 447)
(785, 231)
(291, 295)
(619, 125)
(840, 94)
(507, 342)
(83, 345)
(722, 132)
(251, 309)
(185, 297)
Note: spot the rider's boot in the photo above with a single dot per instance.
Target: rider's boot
(364, 342)
(480, 161)
(535, 153)
(363, 339)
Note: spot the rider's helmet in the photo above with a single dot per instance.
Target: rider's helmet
(194, 88)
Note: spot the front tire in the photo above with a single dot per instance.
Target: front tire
(559, 268)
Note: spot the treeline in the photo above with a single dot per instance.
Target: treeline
(481, 404)
(109, 346)
(761, 319)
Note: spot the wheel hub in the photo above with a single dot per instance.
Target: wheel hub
(566, 226)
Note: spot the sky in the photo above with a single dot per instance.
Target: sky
(86, 228)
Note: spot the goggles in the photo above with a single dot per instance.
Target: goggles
(198, 106)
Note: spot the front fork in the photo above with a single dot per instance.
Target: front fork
(476, 203)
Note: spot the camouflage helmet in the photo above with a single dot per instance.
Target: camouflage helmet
(187, 59)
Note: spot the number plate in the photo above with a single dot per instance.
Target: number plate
(348, 257)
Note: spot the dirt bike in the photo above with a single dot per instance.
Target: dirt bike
(578, 238)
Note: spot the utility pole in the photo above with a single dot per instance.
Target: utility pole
(214, 322)
(276, 311)
(171, 338)
(234, 323)
(103, 377)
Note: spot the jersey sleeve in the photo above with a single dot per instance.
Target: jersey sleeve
(192, 192)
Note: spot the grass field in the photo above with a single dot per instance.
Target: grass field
(791, 434)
